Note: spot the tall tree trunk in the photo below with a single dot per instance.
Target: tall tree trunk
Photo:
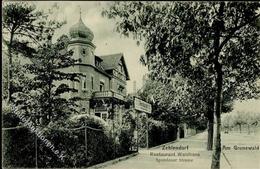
(218, 25)
(217, 142)
(9, 68)
(210, 132)
(210, 125)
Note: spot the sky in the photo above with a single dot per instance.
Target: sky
(106, 39)
(250, 105)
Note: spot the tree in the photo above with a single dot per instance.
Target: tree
(45, 93)
(175, 102)
(227, 120)
(220, 38)
(161, 96)
(23, 29)
(248, 118)
(239, 119)
(185, 98)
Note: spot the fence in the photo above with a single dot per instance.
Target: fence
(82, 146)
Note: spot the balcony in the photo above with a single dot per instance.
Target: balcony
(108, 94)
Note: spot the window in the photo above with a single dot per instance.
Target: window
(121, 67)
(73, 84)
(98, 114)
(83, 51)
(97, 63)
(104, 116)
(101, 86)
(115, 73)
(121, 89)
(92, 82)
(84, 82)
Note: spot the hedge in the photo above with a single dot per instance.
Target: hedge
(159, 133)
(19, 144)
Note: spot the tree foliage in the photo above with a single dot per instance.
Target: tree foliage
(24, 29)
(26, 24)
(182, 100)
(179, 38)
(239, 118)
(45, 93)
(220, 39)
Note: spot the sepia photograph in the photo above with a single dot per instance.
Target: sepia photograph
(130, 84)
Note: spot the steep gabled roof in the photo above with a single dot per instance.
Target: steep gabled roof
(111, 62)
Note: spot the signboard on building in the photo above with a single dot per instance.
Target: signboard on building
(142, 105)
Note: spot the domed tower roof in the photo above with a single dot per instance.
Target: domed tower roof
(80, 30)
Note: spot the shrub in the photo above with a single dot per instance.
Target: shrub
(17, 143)
(161, 132)
(125, 140)
(20, 144)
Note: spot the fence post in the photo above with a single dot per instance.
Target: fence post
(86, 140)
(137, 129)
(36, 149)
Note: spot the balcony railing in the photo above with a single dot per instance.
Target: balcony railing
(108, 94)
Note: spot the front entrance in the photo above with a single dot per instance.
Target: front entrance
(181, 132)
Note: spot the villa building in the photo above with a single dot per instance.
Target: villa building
(103, 84)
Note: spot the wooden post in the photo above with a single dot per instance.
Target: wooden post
(147, 132)
(137, 141)
(178, 132)
(113, 129)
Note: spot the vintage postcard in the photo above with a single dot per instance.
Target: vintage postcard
(131, 84)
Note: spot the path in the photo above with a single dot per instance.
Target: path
(230, 159)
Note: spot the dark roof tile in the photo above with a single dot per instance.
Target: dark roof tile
(111, 62)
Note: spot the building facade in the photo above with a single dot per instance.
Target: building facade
(103, 81)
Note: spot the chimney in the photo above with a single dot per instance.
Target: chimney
(144, 79)
(134, 87)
